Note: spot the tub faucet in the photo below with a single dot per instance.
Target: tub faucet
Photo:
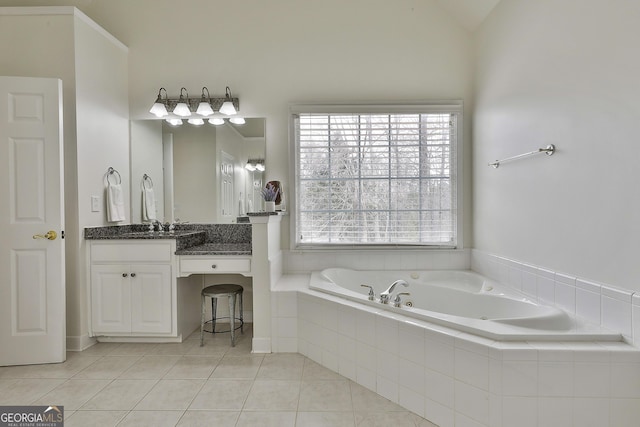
(386, 295)
(372, 294)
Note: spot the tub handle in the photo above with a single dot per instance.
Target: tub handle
(372, 294)
(397, 301)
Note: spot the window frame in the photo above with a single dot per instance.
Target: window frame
(434, 107)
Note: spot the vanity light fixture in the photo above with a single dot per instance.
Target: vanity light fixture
(237, 120)
(159, 108)
(255, 164)
(227, 106)
(204, 108)
(204, 105)
(182, 108)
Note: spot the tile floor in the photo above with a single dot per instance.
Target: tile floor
(184, 384)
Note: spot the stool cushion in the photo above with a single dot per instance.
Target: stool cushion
(222, 290)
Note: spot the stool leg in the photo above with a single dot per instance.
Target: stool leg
(232, 318)
(214, 304)
(202, 322)
(241, 319)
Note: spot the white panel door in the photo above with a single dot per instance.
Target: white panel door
(32, 287)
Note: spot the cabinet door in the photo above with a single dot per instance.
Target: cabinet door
(151, 309)
(110, 298)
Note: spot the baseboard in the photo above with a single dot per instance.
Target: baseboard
(128, 339)
(261, 345)
(79, 343)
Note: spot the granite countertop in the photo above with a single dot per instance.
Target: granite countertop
(191, 239)
(217, 249)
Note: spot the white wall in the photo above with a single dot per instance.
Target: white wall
(102, 141)
(279, 52)
(562, 72)
(148, 154)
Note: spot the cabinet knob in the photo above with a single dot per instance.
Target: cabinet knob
(124, 274)
(133, 274)
(214, 266)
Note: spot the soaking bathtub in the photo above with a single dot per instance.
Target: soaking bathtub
(462, 300)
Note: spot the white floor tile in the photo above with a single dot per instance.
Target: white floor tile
(187, 385)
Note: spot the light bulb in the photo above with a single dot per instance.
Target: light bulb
(159, 110)
(228, 108)
(174, 122)
(204, 109)
(237, 120)
(196, 121)
(182, 109)
(217, 121)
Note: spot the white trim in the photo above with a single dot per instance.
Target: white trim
(39, 10)
(437, 106)
(80, 343)
(455, 106)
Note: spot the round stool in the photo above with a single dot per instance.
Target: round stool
(217, 291)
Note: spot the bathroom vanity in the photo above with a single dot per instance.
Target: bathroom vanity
(141, 285)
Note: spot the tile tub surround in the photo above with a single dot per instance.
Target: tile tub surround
(597, 303)
(454, 378)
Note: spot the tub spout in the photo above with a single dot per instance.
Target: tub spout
(386, 295)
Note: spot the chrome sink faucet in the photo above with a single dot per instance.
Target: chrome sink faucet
(385, 296)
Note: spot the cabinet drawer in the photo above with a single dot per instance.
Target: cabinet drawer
(214, 265)
(131, 252)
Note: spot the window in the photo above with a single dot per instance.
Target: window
(386, 176)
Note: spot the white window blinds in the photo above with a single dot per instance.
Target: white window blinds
(376, 179)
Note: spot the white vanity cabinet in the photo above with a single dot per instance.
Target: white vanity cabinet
(214, 265)
(133, 288)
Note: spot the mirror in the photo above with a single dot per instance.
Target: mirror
(197, 173)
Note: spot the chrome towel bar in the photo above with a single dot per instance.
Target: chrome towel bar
(548, 150)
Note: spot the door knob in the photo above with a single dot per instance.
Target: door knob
(50, 235)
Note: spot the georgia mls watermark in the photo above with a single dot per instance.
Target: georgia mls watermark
(31, 416)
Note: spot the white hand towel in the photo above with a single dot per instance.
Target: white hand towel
(115, 203)
(148, 204)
